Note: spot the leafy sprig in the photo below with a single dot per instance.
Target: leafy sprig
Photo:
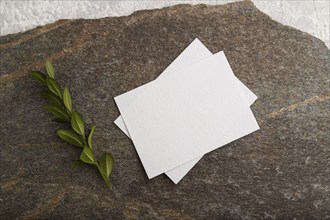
(60, 105)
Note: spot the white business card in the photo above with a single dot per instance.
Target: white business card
(195, 52)
(181, 117)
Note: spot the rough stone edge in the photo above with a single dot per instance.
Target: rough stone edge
(140, 14)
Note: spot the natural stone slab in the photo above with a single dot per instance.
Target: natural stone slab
(280, 172)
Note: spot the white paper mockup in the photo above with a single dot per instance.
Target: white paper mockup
(196, 51)
(181, 117)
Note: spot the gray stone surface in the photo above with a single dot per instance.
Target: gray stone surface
(279, 172)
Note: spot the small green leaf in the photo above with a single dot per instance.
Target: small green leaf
(40, 77)
(61, 107)
(77, 123)
(58, 112)
(89, 140)
(54, 87)
(106, 163)
(51, 97)
(76, 163)
(70, 137)
(67, 99)
(50, 69)
(87, 156)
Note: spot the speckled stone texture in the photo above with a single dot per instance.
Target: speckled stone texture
(279, 172)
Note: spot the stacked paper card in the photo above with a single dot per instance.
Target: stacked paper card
(195, 106)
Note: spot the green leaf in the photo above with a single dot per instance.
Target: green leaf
(50, 69)
(54, 87)
(76, 163)
(87, 156)
(77, 123)
(51, 97)
(89, 140)
(67, 99)
(40, 77)
(106, 163)
(70, 137)
(58, 112)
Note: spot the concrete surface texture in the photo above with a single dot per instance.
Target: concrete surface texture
(311, 16)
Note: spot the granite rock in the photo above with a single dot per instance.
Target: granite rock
(281, 171)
